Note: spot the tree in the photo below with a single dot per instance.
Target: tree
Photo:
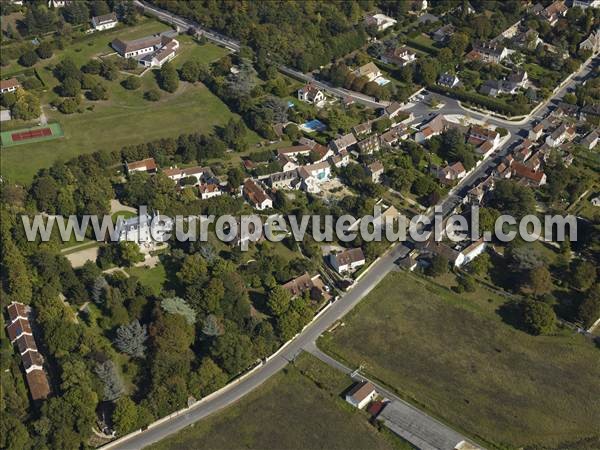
(68, 106)
(28, 59)
(125, 415)
(93, 66)
(458, 43)
(208, 378)
(278, 301)
(193, 270)
(480, 265)
(583, 274)
(168, 79)
(109, 70)
(467, 283)
(212, 326)
(131, 82)
(113, 385)
(130, 339)
(152, 95)
(538, 317)
(26, 107)
(589, 309)
(177, 305)
(539, 281)
(76, 12)
(292, 132)
(235, 177)
(129, 253)
(233, 352)
(67, 69)
(190, 71)
(44, 50)
(70, 87)
(438, 266)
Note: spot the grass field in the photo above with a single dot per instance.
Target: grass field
(288, 412)
(153, 278)
(6, 137)
(126, 117)
(455, 357)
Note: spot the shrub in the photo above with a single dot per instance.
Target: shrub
(98, 92)
(28, 59)
(131, 83)
(44, 50)
(152, 95)
(68, 106)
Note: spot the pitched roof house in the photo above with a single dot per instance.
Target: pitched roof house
(369, 70)
(447, 80)
(488, 52)
(400, 56)
(305, 283)
(380, 21)
(104, 22)
(310, 93)
(437, 125)
(147, 165)
(347, 260)
(361, 394)
(375, 170)
(528, 176)
(10, 85)
(554, 11)
(343, 142)
(369, 145)
(256, 195)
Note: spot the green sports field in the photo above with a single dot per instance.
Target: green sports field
(11, 138)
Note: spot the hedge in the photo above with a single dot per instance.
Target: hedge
(425, 48)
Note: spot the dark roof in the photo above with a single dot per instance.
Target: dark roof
(112, 17)
(349, 256)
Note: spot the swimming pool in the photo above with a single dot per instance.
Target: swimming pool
(313, 125)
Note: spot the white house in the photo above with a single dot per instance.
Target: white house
(201, 174)
(144, 229)
(361, 394)
(348, 260)
(209, 190)
(583, 4)
(592, 43)
(10, 85)
(380, 21)
(471, 252)
(151, 51)
(369, 70)
(342, 159)
(105, 22)
(561, 134)
(310, 93)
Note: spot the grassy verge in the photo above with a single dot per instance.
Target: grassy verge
(455, 357)
(299, 408)
(153, 278)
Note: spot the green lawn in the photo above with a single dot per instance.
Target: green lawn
(290, 411)
(455, 357)
(153, 278)
(126, 117)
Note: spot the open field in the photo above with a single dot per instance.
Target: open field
(289, 411)
(153, 278)
(126, 117)
(455, 357)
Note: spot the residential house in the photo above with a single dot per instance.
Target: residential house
(518, 78)
(391, 137)
(197, 174)
(471, 252)
(590, 111)
(452, 173)
(20, 334)
(524, 150)
(528, 176)
(393, 110)
(288, 179)
(479, 135)
(493, 88)
(591, 140)
(305, 283)
(10, 85)
(369, 145)
(209, 190)
(144, 229)
(527, 39)
(287, 163)
(321, 153)
(162, 55)
(295, 150)
(256, 195)
(567, 109)
(436, 126)
(380, 22)
(310, 93)
(369, 71)
(105, 22)
(448, 81)
(361, 394)
(536, 132)
(312, 175)
(554, 11)
(58, 3)
(400, 56)
(563, 133)
(362, 129)
(147, 165)
(342, 159)
(476, 194)
(375, 171)
(443, 33)
(347, 260)
(583, 4)
(592, 43)
(488, 52)
(343, 143)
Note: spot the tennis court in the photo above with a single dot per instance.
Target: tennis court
(30, 135)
